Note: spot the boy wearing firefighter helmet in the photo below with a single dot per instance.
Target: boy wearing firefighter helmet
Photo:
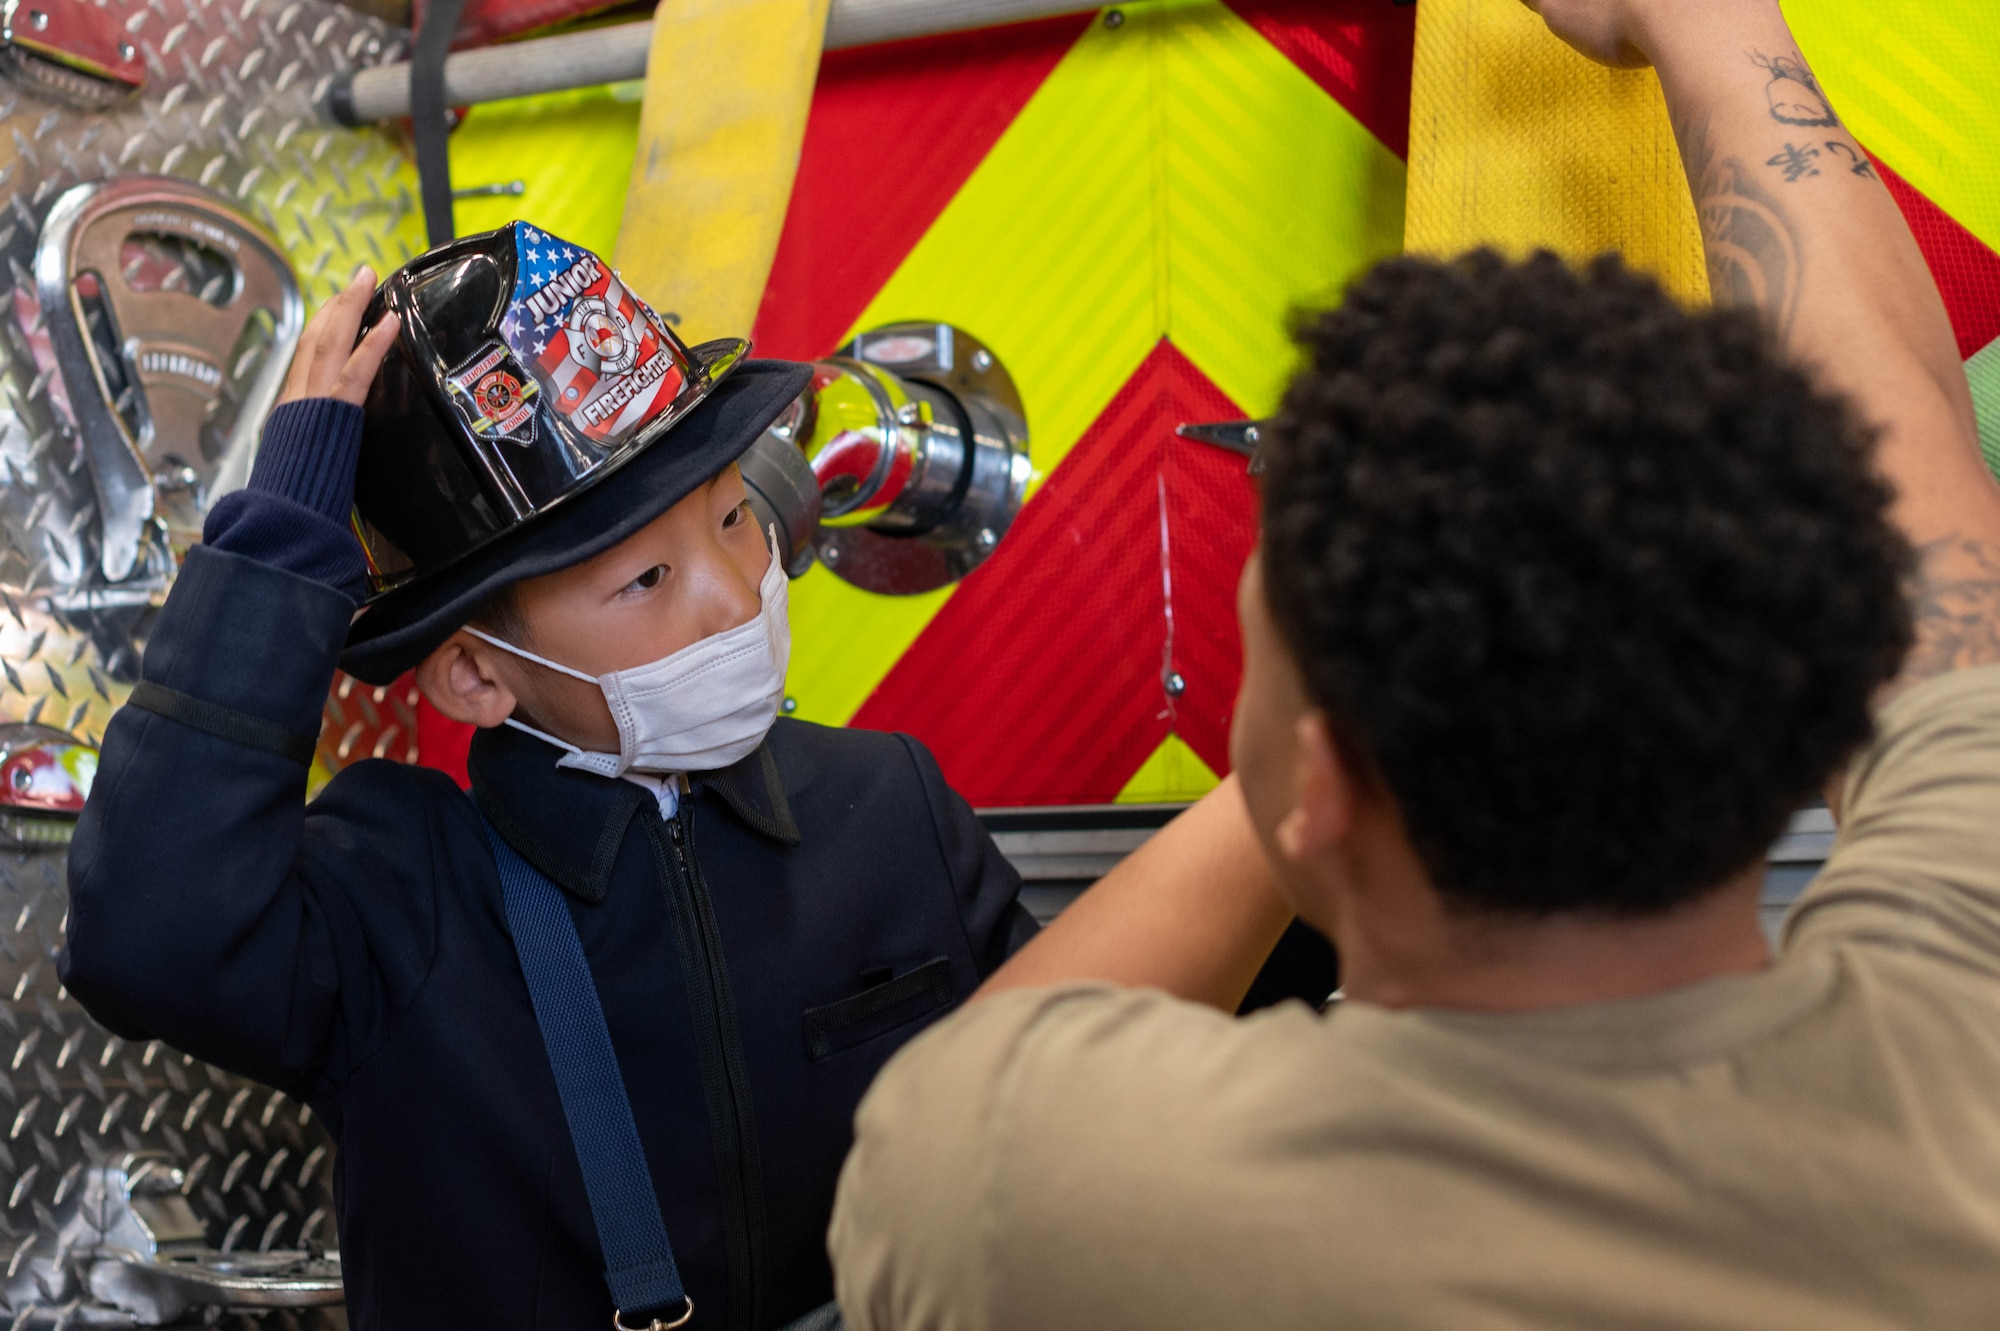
(590, 1039)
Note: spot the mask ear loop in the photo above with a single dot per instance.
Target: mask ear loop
(560, 669)
(777, 580)
(527, 655)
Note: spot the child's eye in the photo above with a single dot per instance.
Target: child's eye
(738, 515)
(649, 579)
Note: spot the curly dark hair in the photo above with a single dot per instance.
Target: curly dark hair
(1599, 587)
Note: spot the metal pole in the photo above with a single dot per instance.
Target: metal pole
(614, 54)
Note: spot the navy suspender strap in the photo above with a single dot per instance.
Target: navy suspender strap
(638, 1259)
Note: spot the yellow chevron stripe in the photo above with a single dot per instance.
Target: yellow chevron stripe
(1047, 254)
(1275, 197)
(1517, 141)
(1175, 175)
(1916, 83)
(1173, 772)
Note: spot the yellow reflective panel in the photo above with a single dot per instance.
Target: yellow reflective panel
(1516, 141)
(571, 152)
(1175, 176)
(1916, 83)
(1175, 772)
(1275, 197)
(1048, 254)
(844, 640)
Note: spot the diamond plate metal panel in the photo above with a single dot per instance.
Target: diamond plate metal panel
(72, 1095)
(362, 721)
(231, 102)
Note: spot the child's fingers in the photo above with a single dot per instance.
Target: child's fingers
(320, 360)
(343, 324)
(298, 378)
(342, 317)
(359, 372)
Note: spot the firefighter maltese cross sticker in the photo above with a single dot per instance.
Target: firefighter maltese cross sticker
(601, 337)
(495, 396)
(598, 352)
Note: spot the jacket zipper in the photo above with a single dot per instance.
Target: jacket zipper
(725, 1079)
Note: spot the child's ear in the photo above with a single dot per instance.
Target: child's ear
(458, 681)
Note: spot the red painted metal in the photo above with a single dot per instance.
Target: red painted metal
(1359, 51)
(1967, 271)
(895, 130)
(1040, 681)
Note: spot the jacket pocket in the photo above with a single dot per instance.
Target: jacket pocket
(833, 1027)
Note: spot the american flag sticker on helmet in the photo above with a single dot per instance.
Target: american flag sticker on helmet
(596, 347)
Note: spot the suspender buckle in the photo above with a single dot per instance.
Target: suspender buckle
(618, 1322)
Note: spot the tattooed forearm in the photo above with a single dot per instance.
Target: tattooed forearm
(1751, 242)
(1956, 607)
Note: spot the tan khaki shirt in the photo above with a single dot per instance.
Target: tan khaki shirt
(1816, 1146)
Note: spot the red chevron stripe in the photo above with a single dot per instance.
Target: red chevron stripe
(894, 132)
(1966, 270)
(1040, 680)
(1359, 51)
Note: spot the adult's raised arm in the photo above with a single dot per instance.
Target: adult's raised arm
(1797, 224)
(1194, 912)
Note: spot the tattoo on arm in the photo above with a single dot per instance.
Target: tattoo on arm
(1858, 162)
(1795, 162)
(1956, 607)
(1793, 92)
(1752, 246)
(1755, 259)
(1754, 252)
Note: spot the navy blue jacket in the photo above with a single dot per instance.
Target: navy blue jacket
(759, 958)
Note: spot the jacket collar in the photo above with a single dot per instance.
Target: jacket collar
(570, 824)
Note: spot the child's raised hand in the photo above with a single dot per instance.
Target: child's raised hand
(327, 362)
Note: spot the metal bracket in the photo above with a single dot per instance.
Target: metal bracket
(168, 375)
(127, 1239)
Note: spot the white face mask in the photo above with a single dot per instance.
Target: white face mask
(703, 708)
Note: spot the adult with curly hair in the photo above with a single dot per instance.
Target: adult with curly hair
(1566, 598)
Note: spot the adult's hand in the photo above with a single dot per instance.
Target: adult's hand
(327, 362)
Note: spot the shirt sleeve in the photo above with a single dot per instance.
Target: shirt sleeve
(293, 513)
(210, 906)
(1916, 864)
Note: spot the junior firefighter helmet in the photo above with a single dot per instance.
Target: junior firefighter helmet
(534, 412)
